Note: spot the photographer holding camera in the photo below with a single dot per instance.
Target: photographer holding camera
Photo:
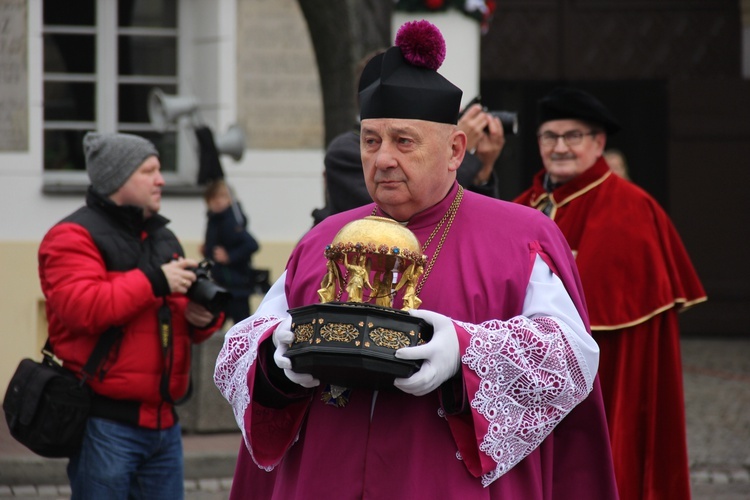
(113, 265)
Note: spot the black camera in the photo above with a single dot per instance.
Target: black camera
(205, 291)
(508, 119)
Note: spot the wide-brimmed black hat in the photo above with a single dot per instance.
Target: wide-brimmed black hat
(565, 103)
(403, 82)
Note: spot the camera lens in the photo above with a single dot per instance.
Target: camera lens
(206, 292)
(509, 120)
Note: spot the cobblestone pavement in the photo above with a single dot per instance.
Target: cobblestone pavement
(717, 403)
(716, 376)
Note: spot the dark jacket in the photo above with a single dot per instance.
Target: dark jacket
(228, 229)
(100, 267)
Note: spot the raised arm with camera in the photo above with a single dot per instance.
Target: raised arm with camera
(485, 138)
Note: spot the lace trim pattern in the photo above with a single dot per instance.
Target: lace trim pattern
(233, 363)
(531, 377)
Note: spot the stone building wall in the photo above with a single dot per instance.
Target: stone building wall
(279, 97)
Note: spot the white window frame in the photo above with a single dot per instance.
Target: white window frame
(107, 81)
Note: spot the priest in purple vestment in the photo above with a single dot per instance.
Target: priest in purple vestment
(506, 403)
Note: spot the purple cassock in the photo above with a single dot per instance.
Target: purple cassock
(523, 418)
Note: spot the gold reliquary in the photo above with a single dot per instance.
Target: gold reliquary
(373, 263)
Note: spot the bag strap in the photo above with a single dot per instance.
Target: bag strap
(96, 359)
(167, 348)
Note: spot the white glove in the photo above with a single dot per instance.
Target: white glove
(440, 355)
(282, 337)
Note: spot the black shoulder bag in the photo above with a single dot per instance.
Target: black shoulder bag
(46, 406)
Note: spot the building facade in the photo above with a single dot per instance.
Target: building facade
(92, 68)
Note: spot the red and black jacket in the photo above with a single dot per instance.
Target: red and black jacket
(101, 267)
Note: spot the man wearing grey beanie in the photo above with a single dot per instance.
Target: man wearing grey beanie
(113, 264)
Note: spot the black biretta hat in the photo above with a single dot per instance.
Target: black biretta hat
(403, 82)
(565, 103)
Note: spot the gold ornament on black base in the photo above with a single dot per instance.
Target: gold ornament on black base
(377, 263)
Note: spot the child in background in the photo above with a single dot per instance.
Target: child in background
(230, 246)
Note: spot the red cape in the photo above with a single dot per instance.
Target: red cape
(632, 262)
(636, 276)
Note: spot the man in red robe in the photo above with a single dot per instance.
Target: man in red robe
(506, 403)
(636, 276)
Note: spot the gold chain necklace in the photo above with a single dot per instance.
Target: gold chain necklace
(450, 214)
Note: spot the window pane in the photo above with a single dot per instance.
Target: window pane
(69, 101)
(147, 55)
(69, 12)
(63, 150)
(147, 13)
(166, 145)
(69, 54)
(133, 101)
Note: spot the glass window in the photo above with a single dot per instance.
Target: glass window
(83, 60)
(147, 13)
(55, 12)
(65, 53)
(69, 101)
(166, 144)
(63, 150)
(130, 94)
(147, 55)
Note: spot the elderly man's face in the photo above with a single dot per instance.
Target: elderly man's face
(409, 165)
(566, 159)
(143, 188)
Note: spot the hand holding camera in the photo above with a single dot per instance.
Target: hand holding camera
(197, 315)
(486, 132)
(205, 291)
(472, 122)
(194, 280)
(508, 119)
(178, 274)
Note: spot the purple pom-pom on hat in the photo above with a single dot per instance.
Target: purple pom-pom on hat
(422, 44)
(404, 83)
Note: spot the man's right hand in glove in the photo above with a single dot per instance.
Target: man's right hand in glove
(282, 338)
